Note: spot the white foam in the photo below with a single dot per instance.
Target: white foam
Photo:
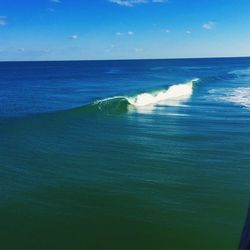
(239, 96)
(173, 94)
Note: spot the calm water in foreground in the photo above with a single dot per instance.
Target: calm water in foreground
(124, 154)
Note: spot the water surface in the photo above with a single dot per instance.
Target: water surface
(124, 154)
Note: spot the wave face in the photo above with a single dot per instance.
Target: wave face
(172, 96)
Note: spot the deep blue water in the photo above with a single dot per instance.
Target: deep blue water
(124, 154)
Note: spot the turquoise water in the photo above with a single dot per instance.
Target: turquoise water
(150, 154)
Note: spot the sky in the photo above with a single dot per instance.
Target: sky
(123, 29)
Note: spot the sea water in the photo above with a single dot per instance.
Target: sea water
(144, 154)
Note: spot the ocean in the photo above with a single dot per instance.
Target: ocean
(133, 154)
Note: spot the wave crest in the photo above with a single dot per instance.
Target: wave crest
(175, 92)
(171, 96)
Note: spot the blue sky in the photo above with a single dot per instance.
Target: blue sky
(123, 29)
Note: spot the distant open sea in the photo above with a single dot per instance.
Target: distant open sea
(143, 154)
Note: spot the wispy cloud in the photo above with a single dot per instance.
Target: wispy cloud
(119, 33)
(132, 3)
(3, 20)
(73, 37)
(137, 50)
(55, 1)
(159, 1)
(188, 32)
(129, 33)
(208, 26)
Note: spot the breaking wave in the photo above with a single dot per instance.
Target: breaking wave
(238, 96)
(172, 96)
(238, 91)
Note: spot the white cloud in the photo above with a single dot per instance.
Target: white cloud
(73, 37)
(3, 20)
(208, 26)
(55, 1)
(167, 31)
(129, 33)
(119, 33)
(139, 50)
(188, 32)
(132, 3)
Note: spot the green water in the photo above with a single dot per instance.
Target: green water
(99, 182)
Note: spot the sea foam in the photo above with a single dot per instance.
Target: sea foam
(238, 96)
(176, 92)
(174, 95)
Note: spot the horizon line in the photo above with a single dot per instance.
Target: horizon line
(133, 59)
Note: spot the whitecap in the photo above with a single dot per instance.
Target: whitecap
(174, 94)
(238, 96)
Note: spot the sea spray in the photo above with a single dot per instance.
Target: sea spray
(174, 92)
